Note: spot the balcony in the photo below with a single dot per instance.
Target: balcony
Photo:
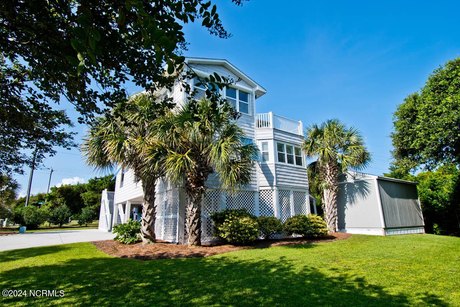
(270, 120)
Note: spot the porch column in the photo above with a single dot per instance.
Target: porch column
(291, 202)
(276, 207)
(127, 211)
(256, 203)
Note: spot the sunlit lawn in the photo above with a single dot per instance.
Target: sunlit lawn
(360, 271)
(73, 225)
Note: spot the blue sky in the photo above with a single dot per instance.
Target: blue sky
(351, 60)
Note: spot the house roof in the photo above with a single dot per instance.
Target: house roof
(260, 90)
(363, 176)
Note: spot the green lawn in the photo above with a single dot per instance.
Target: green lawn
(360, 271)
(47, 227)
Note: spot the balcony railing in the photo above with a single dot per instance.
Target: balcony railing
(269, 120)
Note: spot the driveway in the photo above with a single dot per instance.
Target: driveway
(27, 240)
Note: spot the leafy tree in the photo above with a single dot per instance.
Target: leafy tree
(8, 190)
(128, 140)
(92, 196)
(70, 195)
(427, 124)
(86, 216)
(31, 216)
(84, 52)
(336, 148)
(202, 138)
(439, 196)
(59, 215)
(30, 128)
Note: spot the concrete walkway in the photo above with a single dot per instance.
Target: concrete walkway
(27, 240)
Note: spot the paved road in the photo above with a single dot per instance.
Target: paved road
(27, 240)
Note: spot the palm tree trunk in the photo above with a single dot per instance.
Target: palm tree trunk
(193, 219)
(149, 211)
(330, 196)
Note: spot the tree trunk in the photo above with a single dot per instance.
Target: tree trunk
(149, 211)
(193, 219)
(330, 195)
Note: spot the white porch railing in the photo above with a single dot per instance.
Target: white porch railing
(270, 120)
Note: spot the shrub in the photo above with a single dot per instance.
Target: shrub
(306, 226)
(268, 226)
(317, 225)
(127, 233)
(235, 226)
(59, 215)
(86, 216)
(239, 230)
(31, 216)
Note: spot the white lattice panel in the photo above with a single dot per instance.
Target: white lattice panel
(211, 203)
(241, 200)
(266, 203)
(300, 203)
(284, 199)
(167, 215)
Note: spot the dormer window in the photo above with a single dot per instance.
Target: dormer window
(238, 99)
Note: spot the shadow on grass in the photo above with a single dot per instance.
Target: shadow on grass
(205, 281)
(30, 252)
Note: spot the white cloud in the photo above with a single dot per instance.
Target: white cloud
(70, 181)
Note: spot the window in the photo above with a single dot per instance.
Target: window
(281, 153)
(122, 179)
(264, 151)
(243, 102)
(298, 156)
(238, 99)
(230, 94)
(199, 89)
(289, 154)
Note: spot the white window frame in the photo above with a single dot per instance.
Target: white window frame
(289, 156)
(264, 152)
(237, 101)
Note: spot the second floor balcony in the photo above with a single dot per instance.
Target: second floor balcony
(270, 120)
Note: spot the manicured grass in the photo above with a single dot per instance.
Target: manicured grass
(360, 271)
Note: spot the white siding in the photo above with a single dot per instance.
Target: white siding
(264, 133)
(266, 174)
(130, 189)
(291, 176)
(246, 123)
(210, 69)
(287, 137)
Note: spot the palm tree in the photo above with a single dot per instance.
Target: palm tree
(126, 138)
(202, 138)
(337, 148)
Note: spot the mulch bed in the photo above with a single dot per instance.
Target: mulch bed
(164, 250)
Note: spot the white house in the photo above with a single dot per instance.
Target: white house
(279, 185)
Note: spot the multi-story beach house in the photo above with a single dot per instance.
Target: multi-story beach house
(279, 185)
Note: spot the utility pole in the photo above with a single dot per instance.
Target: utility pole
(32, 168)
(49, 181)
